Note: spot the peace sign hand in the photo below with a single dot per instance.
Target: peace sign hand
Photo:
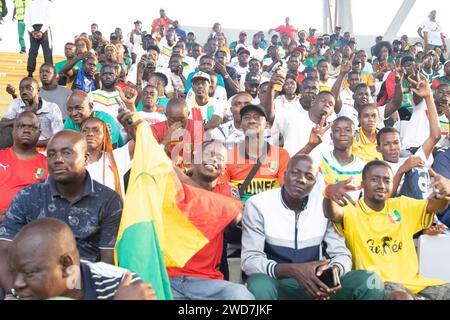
(317, 133)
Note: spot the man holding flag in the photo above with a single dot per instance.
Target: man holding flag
(173, 224)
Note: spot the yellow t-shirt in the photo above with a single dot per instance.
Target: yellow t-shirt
(364, 148)
(383, 241)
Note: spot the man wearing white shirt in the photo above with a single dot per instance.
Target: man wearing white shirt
(255, 50)
(38, 20)
(431, 33)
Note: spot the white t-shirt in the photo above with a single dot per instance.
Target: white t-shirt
(418, 128)
(218, 108)
(123, 162)
(434, 30)
(295, 126)
(282, 103)
(152, 117)
(256, 53)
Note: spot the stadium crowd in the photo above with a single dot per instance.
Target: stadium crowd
(338, 156)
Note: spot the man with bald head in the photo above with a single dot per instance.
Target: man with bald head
(45, 263)
(284, 231)
(21, 165)
(179, 135)
(92, 210)
(80, 107)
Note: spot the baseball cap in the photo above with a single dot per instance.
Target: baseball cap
(138, 22)
(201, 75)
(242, 33)
(338, 28)
(312, 29)
(253, 78)
(254, 107)
(242, 51)
(113, 36)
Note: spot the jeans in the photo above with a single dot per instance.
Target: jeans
(356, 285)
(193, 288)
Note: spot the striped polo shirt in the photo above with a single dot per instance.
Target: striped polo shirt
(101, 280)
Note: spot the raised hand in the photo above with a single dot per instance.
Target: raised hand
(338, 192)
(128, 96)
(421, 86)
(441, 186)
(317, 133)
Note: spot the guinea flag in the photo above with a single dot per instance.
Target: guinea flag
(165, 222)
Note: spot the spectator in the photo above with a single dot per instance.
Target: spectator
(48, 113)
(285, 266)
(51, 91)
(179, 135)
(365, 142)
(255, 153)
(83, 79)
(202, 107)
(69, 52)
(21, 164)
(178, 31)
(80, 108)
(149, 108)
(255, 50)
(230, 133)
(201, 278)
(69, 194)
(241, 41)
(69, 276)
(388, 248)
(441, 167)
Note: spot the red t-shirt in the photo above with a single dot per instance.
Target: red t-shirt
(205, 263)
(290, 30)
(185, 144)
(16, 174)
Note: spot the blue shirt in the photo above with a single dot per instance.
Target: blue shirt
(441, 166)
(94, 217)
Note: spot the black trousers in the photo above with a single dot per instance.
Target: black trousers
(46, 43)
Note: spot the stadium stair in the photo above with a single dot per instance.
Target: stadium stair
(13, 67)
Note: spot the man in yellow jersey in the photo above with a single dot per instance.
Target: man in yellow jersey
(365, 143)
(379, 230)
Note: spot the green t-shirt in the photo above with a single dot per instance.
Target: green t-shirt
(61, 64)
(114, 128)
(312, 62)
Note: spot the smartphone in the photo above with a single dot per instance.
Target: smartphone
(330, 277)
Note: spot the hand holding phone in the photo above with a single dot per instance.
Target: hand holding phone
(330, 277)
